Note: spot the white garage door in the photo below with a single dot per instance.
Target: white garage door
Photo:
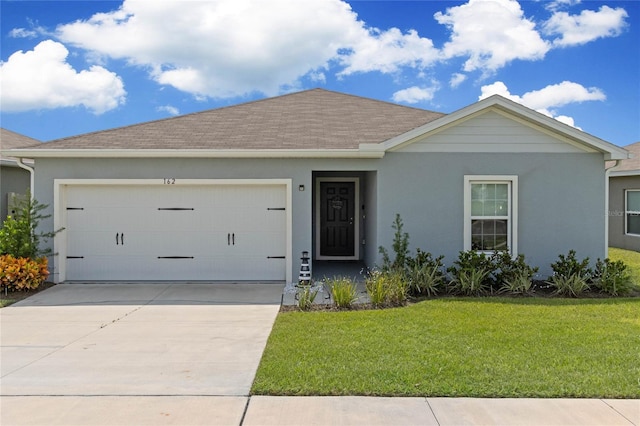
(171, 232)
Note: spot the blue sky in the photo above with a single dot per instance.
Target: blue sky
(71, 67)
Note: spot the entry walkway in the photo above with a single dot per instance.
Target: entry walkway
(186, 354)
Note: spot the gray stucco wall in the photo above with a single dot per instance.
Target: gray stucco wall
(299, 170)
(561, 201)
(12, 179)
(561, 196)
(617, 237)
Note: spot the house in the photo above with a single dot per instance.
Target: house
(237, 193)
(13, 178)
(624, 202)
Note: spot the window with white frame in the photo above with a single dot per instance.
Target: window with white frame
(490, 213)
(632, 211)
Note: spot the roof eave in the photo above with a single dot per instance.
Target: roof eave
(195, 153)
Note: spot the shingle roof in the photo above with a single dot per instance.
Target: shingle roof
(12, 140)
(631, 163)
(315, 119)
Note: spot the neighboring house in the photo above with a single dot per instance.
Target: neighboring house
(237, 193)
(13, 178)
(624, 202)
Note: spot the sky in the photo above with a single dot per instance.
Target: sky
(73, 67)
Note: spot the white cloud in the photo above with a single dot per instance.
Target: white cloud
(415, 94)
(491, 33)
(560, 4)
(221, 48)
(171, 110)
(456, 80)
(42, 78)
(387, 51)
(589, 25)
(228, 48)
(547, 99)
(567, 120)
(22, 33)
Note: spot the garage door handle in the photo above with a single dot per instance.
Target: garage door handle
(120, 239)
(228, 239)
(233, 239)
(117, 240)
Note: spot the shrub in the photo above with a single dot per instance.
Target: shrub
(21, 273)
(343, 292)
(471, 273)
(19, 236)
(613, 278)
(425, 274)
(400, 248)
(387, 288)
(306, 298)
(573, 285)
(568, 265)
(519, 283)
(471, 282)
(376, 288)
(570, 276)
(512, 275)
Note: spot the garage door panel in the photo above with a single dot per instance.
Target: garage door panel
(135, 232)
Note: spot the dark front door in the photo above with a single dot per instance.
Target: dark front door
(337, 218)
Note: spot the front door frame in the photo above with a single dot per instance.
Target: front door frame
(356, 218)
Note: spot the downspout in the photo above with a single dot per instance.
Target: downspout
(31, 179)
(607, 173)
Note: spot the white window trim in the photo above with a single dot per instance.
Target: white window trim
(512, 231)
(626, 212)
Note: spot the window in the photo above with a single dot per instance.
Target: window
(632, 211)
(490, 213)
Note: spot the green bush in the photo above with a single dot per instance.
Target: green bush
(424, 274)
(568, 265)
(19, 234)
(570, 276)
(400, 248)
(471, 273)
(471, 282)
(513, 275)
(519, 283)
(306, 297)
(343, 292)
(573, 285)
(613, 277)
(387, 288)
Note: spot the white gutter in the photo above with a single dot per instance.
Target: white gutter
(607, 174)
(30, 170)
(194, 153)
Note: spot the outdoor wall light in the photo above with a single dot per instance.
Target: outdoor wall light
(301, 188)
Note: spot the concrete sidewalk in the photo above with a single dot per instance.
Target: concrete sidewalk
(300, 411)
(186, 354)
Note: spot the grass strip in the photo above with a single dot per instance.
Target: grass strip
(474, 347)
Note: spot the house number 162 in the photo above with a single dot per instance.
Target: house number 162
(170, 181)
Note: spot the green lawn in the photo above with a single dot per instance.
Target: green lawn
(477, 347)
(6, 302)
(631, 258)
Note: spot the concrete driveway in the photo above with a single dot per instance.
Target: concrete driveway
(77, 341)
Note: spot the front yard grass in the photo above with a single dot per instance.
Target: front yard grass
(630, 258)
(474, 347)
